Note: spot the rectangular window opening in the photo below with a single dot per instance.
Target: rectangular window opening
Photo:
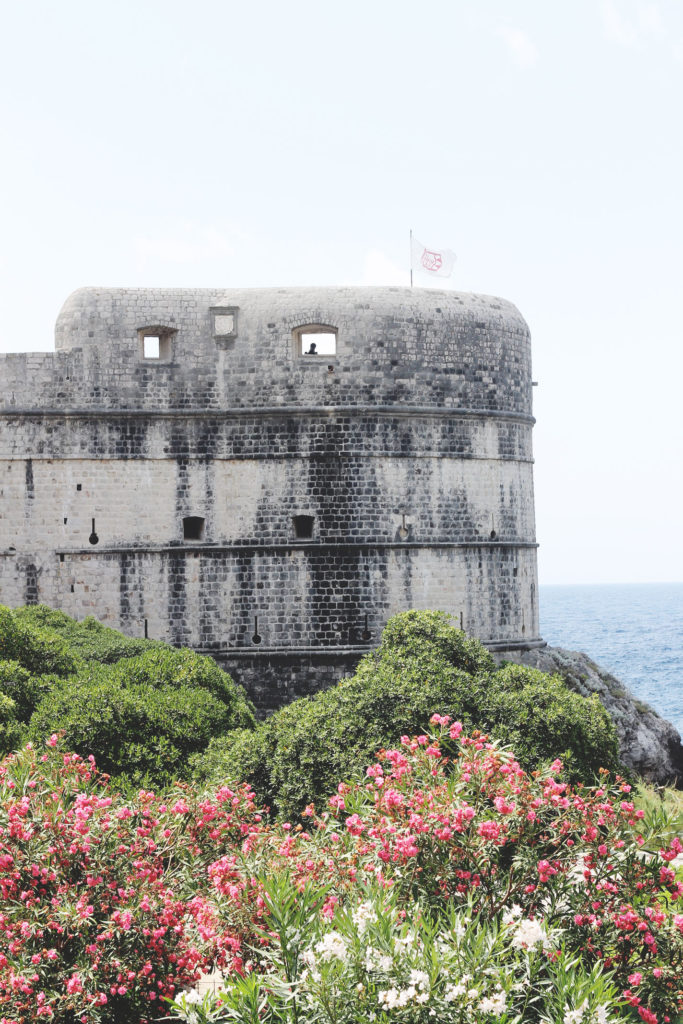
(318, 344)
(151, 346)
(311, 340)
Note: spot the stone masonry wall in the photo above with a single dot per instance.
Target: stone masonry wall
(409, 448)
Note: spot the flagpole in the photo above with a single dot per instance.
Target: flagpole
(411, 257)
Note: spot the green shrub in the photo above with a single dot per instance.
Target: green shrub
(423, 665)
(23, 687)
(241, 752)
(430, 638)
(89, 639)
(37, 649)
(141, 707)
(138, 733)
(174, 669)
(543, 719)
(10, 729)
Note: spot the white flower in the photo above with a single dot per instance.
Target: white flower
(331, 945)
(388, 1000)
(392, 998)
(419, 978)
(193, 996)
(453, 992)
(575, 1016)
(362, 916)
(530, 933)
(494, 1004)
(512, 914)
(375, 960)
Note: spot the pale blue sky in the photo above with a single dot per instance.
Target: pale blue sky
(235, 144)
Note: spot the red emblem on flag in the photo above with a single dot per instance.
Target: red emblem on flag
(431, 260)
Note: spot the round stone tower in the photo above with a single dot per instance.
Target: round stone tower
(267, 475)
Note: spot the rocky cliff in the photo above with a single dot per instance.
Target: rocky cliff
(648, 743)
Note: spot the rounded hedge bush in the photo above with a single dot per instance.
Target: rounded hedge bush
(36, 649)
(138, 733)
(423, 665)
(90, 640)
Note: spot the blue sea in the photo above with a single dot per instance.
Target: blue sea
(633, 630)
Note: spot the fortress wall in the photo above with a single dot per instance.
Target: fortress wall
(263, 434)
(424, 412)
(49, 504)
(313, 595)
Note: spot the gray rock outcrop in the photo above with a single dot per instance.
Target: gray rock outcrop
(648, 744)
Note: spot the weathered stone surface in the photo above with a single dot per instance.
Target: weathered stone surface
(648, 743)
(409, 448)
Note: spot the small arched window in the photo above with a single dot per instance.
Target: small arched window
(315, 340)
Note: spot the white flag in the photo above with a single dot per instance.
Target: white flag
(435, 262)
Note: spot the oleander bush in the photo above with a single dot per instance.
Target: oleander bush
(444, 883)
(423, 662)
(105, 907)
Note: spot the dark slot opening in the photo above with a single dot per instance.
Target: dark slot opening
(303, 527)
(193, 528)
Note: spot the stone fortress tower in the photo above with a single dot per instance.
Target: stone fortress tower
(181, 467)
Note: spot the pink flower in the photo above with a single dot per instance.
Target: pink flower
(355, 825)
(489, 830)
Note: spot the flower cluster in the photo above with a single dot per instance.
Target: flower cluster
(445, 882)
(100, 914)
